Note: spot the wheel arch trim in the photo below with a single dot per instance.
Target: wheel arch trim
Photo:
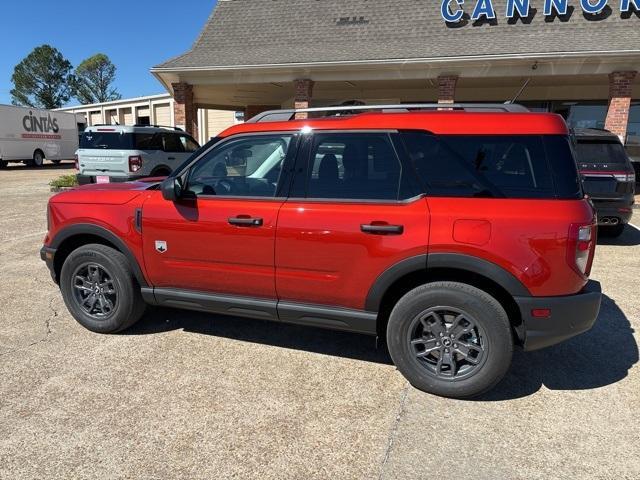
(101, 232)
(432, 261)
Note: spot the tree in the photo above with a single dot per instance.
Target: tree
(93, 80)
(42, 79)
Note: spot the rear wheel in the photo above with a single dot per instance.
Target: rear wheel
(37, 160)
(611, 231)
(100, 290)
(450, 339)
(161, 172)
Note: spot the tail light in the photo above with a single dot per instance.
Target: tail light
(135, 163)
(619, 176)
(77, 164)
(581, 247)
(625, 176)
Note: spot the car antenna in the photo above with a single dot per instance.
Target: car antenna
(509, 102)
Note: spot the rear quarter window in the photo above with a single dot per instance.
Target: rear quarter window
(499, 166)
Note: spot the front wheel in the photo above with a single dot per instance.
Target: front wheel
(100, 289)
(450, 339)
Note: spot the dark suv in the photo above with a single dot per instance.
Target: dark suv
(457, 235)
(608, 178)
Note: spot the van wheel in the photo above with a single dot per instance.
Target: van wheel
(611, 231)
(100, 289)
(450, 339)
(37, 160)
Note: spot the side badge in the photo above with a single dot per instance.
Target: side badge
(161, 246)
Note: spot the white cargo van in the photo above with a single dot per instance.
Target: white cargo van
(30, 135)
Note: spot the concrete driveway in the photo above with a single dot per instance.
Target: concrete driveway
(189, 395)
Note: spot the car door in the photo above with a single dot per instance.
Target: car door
(220, 238)
(354, 212)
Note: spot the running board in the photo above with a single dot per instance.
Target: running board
(334, 318)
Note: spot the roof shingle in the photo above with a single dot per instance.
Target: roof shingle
(268, 32)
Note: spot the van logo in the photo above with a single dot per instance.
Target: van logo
(35, 124)
(161, 246)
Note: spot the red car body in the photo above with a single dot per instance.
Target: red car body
(314, 253)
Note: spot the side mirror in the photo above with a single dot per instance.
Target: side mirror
(171, 189)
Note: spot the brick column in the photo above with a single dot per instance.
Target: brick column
(620, 84)
(447, 88)
(303, 93)
(184, 110)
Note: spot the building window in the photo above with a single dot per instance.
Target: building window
(633, 132)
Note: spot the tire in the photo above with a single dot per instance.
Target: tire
(611, 231)
(120, 309)
(160, 172)
(3, 164)
(37, 160)
(475, 323)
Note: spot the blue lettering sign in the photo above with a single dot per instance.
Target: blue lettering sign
(483, 7)
(559, 6)
(521, 5)
(588, 7)
(447, 14)
(625, 5)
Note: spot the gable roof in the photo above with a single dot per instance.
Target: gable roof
(275, 32)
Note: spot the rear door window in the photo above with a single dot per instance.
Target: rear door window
(106, 141)
(500, 166)
(148, 141)
(172, 143)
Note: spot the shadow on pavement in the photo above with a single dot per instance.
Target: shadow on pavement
(46, 166)
(597, 358)
(310, 339)
(629, 238)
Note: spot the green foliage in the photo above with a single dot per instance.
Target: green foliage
(64, 181)
(93, 80)
(42, 79)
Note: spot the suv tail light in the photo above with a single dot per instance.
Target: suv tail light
(625, 176)
(581, 247)
(135, 163)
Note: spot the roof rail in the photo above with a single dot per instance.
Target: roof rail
(286, 115)
(177, 129)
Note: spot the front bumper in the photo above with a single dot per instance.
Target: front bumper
(48, 254)
(570, 316)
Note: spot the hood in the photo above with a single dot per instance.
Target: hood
(106, 193)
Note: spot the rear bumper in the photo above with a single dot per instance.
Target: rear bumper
(87, 179)
(621, 209)
(570, 316)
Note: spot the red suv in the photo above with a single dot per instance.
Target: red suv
(456, 235)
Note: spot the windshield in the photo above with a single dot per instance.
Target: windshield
(600, 152)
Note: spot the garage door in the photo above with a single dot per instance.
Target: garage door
(219, 120)
(162, 114)
(95, 118)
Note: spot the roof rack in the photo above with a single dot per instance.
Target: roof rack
(286, 115)
(177, 129)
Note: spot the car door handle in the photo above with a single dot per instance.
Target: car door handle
(382, 229)
(171, 158)
(246, 221)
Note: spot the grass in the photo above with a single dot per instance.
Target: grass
(64, 181)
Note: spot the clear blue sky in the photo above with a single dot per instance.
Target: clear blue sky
(135, 34)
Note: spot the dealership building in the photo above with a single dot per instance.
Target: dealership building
(578, 58)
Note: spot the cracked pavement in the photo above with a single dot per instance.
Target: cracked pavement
(190, 395)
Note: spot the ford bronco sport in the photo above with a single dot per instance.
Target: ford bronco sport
(456, 235)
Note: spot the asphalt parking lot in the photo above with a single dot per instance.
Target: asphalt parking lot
(190, 395)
